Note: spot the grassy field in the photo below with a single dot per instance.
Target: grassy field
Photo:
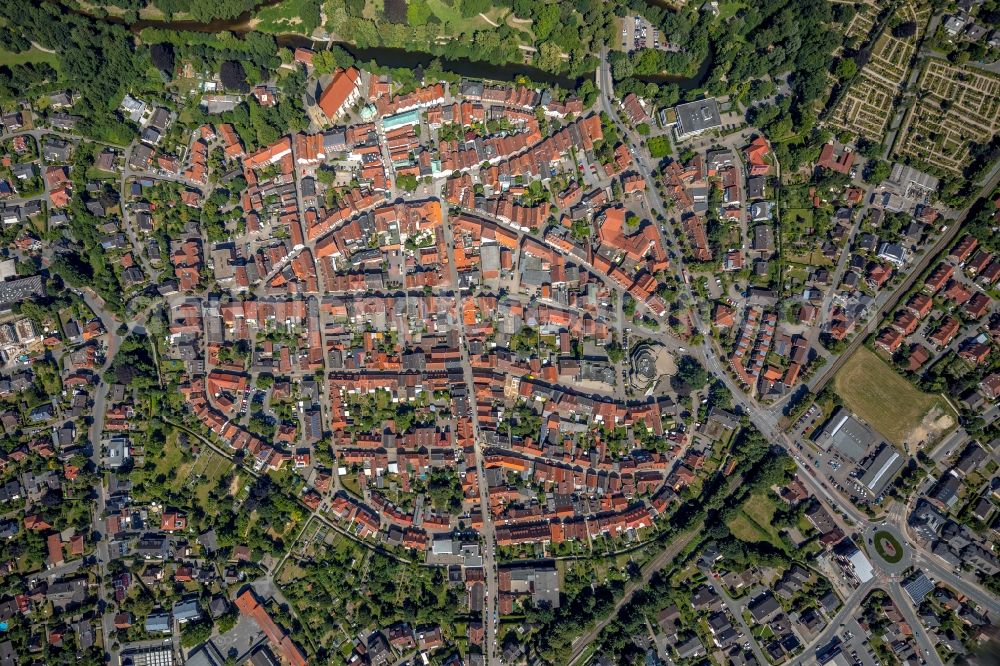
(796, 197)
(728, 9)
(449, 13)
(211, 467)
(753, 522)
(31, 55)
(174, 464)
(799, 217)
(351, 484)
(814, 258)
(797, 272)
(299, 16)
(896, 408)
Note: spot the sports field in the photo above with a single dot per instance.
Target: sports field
(896, 408)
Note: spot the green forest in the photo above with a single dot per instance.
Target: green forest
(774, 57)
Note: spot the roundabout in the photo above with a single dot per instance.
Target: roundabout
(887, 549)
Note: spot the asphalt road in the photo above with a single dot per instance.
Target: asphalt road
(902, 601)
(820, 380)
(764, 419)
(736, 608)
(850, 606)
(490, 611)
(101, 552)
(767, 420)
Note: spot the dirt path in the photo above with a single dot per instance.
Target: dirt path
(488, 20)
(935, 424)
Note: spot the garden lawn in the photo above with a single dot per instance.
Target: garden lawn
(212, 470)
(800, 217)
(796, 196)
(351, 484)
(814, 258)
(797, 272)
(172, 464)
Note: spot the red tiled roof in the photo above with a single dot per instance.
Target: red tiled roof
(828, 159)
(249, 606)
(336, 94)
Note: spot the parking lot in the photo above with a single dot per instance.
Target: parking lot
(855, 645)
(638, 33)
(589, 170)
(842, 474)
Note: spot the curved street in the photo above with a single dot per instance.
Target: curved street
(767, 418)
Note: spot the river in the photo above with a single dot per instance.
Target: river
(387, 56)
(384, 56)
(685, 83)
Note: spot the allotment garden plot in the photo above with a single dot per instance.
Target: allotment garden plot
(863, 21)
(867, 107)
(955, 107)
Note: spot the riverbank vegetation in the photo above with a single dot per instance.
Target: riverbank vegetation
(199, 10)
(560, 38)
